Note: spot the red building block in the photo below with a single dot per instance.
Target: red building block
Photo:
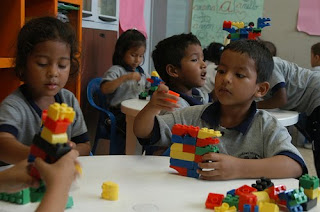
(249, 199)
(37, 152)
(172, 93)
(198, 158)
(182, 130)
(245, 189)
(57, 127)
(188, 148)
(227, 24)
(180, 170)
(214, 200)
(207, 141)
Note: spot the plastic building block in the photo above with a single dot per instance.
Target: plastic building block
(310, 204)
(248, 208)
(207, 141)
(231, 200)
(225, 208)
(143, 95)
(262, 183)
(206, 133)
(176, 147)
(262, 22)
(187, 139)
(174, 94)
(268, 207)
(183, 163)
(244, 190)
(311, 193)
(22, 197)
(56, 127)
(182, 130)
(206, 149)
(182, 171)
(262, 196)
(54, 138)
(110, 190)
(247, 199)
(182, 155)
(192, 173)
(189, 148)
(214, 200)
(308, 182)
(69, 202)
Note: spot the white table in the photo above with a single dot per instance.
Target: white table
(143, 181)
(132, 107)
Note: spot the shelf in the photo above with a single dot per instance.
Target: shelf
(6, 62)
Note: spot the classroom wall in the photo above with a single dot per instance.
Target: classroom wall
(291, 44)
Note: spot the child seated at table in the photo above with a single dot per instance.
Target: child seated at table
(46, 56)
(253, 143)
(296, 88)
(57, 177)
(125, 79)
(315, 57)
(180, 63)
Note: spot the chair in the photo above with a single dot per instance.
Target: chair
(98, 101)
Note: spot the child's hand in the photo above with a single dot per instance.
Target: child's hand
(62, 171)
(135, 76)
(222, 167)
(72, 144)
(17, 178)
(159, 99)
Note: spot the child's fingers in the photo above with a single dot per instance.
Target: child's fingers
(40, 164)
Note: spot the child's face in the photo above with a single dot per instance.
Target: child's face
(315, 60)
(134, 56)
(193, 68)
(48, 68)
(236, 77)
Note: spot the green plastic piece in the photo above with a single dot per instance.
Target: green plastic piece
(308, 182)
(206, 149)
(232, 200)
(69, 202)
(22, 197)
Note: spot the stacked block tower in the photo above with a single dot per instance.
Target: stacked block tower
(50, 145)
(155, 81)
(189, 144)
(245, 32)
(264, 196)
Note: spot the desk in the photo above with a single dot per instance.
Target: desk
(131, 108)
(143, 181)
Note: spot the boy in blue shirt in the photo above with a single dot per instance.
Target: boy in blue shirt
(254, 143)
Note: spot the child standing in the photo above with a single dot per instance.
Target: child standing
(212, 56)
(180, 64)
(125, 79)
(315, 57)
(296, 88)
(46, 56)
(254, 143)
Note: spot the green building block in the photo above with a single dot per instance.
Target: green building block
(36, 194)
(206, 149)
(298, 197)
(308, 182)
(232, 200)
(69, 202)
(22, 197)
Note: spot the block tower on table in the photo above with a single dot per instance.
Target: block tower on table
(189, 144)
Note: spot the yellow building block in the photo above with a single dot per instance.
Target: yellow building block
(262, 196)
(110, 190)
(207, 133)
(238, 24)
(268, 207)
(51, 138)
(155, 74)
(225, 208)
(176, 147)
(182, 155)
(311, 193)
(57, 111)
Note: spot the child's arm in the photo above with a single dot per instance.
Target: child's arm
(16, 178)
(144, 121)
(278, 99)
(11, 150)
(111, 86)
(58, 178)
(227, 167)
(83, 148)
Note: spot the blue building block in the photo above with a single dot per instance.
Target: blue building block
(261, 22)
(192, 173)
(177, 139)
(184, 163)
(187, 139)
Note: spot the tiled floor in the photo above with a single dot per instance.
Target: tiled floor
(308, 157)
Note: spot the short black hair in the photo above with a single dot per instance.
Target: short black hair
(213, 52)
(171, 51)
(42, 29)
(131, 38)
(258, 52)
(272, 48)
(316, 49)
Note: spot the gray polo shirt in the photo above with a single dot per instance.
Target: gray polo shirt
(127, 90)
(259, 136)
(20, 116)
(302, 86)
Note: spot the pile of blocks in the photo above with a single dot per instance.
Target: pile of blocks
(264, 196)
(189, 144)
(242, 32)
(50, 145)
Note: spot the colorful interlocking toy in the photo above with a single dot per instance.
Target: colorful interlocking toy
(189, 144)
(264, 196)
(245, 32)
(50, 144)
(110, 191)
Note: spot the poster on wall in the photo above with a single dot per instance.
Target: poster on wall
(208, 17)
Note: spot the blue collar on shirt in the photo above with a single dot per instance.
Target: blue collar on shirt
(27, 95)
(195, 99)
(138, 69)
(212, 116)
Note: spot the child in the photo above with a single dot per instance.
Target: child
(254, 143)
(315, 57)
(125, 79)
(180, 64)
(58, 178)
(272, 48)
(296, 88)
(46, 53)
(212, 56)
